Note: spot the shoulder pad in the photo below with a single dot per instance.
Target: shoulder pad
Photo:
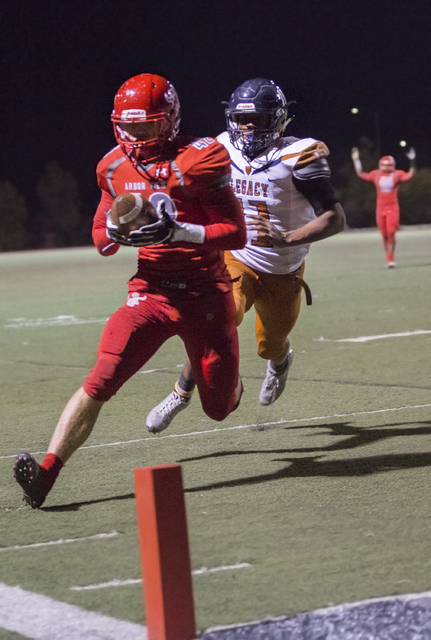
(206, 161)
(109, 157)
(301, 151)
(315, 169)
(312, 152)
(202, 143)
(223, 138)
(107, 166)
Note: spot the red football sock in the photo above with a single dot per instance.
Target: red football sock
(52, 466)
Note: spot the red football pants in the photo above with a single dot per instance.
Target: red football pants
(388, 220)
(138, 329)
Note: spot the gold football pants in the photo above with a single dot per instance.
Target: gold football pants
(276, 299)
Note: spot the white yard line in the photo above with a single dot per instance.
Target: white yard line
(381, 336)
(18, 323)
(133, 581)
(227, 567)
(243, 426)
(61, 541)
(177, 366)
(39, 617)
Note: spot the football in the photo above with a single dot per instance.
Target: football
(131, 211)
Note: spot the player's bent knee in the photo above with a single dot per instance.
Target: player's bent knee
(102, 383)
(217, 413)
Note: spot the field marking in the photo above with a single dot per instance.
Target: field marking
(308, 619)
(177, 366)
(243, 426)
(382, 336)
(133, 581)
(39, 617)
(63, 321)
(34, 545)
(227, 567)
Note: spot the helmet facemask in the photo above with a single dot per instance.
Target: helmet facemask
(251, 132)
(142, 139)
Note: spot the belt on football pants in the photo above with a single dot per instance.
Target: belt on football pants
(297, 280)
(176, 285)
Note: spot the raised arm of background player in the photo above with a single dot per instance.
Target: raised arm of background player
(312, 181)
(411, 155)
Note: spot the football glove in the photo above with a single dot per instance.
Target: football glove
(411, 154)
(155, 233)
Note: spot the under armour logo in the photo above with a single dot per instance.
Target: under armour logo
(135, 299)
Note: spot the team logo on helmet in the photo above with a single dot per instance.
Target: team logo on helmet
(170, 95)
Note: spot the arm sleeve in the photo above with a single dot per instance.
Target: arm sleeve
(403, 176)
(209, 182)
(226, 229)
(369, 177)
(104, 245)
(319, 193)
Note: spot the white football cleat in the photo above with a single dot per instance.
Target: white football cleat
(274, 383)
(391, 265)
(161, 416)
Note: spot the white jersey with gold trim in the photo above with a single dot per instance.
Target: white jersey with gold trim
(264, 186)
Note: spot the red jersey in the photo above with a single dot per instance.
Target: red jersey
(387, 185)
(194, 186)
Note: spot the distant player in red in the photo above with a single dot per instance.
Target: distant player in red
(182, 286)
(387, 180)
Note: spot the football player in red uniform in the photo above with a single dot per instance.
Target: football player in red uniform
(387, 180)
(283, 185)
(181, 287)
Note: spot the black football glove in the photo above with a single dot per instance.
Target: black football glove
(112, 231)
(154, 233)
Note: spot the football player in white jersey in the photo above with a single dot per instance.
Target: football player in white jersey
(288, 203)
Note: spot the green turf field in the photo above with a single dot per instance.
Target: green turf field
(324, 494)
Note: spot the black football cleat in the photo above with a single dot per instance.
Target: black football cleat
(26, 473)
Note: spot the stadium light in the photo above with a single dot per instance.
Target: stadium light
(403, 143)
(355, 111)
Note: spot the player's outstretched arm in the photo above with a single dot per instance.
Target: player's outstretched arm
(327, 224)
(411, 154)
(357, 161)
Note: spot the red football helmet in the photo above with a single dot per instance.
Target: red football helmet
(387, 164)
(146, 115)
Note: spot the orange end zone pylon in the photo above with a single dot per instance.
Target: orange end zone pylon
(165, 556)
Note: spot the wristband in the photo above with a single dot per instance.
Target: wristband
(358, 165)
(187, 232)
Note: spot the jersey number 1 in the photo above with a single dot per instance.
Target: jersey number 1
(262, 210)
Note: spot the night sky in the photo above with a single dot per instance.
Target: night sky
(62, 61)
